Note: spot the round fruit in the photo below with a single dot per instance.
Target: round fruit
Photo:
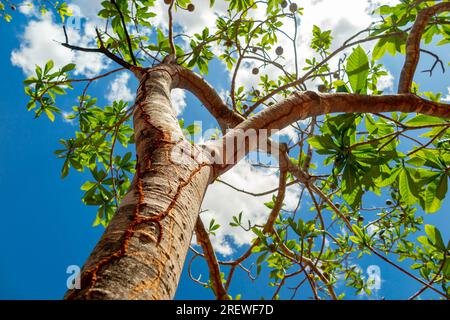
(322, 88)
(244, 107)
(255, 70)
(254, 49)
(190, 7)
(336, 75)
(256, 93)
(284, 4)
(337, 205)
(167, 1)
(293, 7)
(279, 51)
(389, 202)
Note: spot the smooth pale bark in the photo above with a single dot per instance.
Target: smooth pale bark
(134, 258)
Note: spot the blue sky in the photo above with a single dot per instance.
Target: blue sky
(44, 225)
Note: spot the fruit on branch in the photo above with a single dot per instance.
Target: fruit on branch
(279, 50)
(254, 49)
(255, 70)
(293, 7)
(228, 43)
(190, 7)
(168, 2)
(336, 75)
(256, 93)
(284, 4)
(337, 205)
(244, 107)
(389, 202)
(322, 88)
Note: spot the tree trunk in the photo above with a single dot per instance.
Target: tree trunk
(143, 249)
(142, 252)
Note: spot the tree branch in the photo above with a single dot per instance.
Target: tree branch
(211, 260)
(102, 50)
(190, 81)
(425, 287)
(308, 74)
(413, 45)
(171, 42)
(127, 36)
(300, 106)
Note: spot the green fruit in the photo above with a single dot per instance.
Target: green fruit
(322, 88)
(284, 4)
(279, 50)
(293, 7)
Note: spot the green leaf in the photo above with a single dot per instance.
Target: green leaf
(68, 67)
(358, 232)
(65, 169)
(435, 237)
(379, 50)
(435, 193)
(358, 70)
(421, 120)
(193, 129)
(324, 144)
(48, 66)
(404, 184)
(50, 115)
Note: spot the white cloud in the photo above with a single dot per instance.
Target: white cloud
(386, 82)
(178, 98)
(67, 117)
(447, 97)
(326, 14)
(86, 8)
(290, 132)
(222, 202)
(118, 89)
(39, 43)
(194, 22)
(27, 8)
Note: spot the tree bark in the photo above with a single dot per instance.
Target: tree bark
(143, 249)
